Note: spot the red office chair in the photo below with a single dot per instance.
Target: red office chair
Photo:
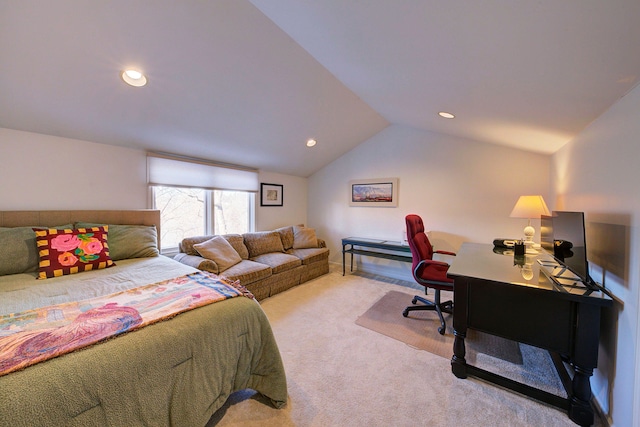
(427, 271)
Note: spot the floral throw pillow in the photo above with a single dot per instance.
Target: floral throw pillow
(72, 251)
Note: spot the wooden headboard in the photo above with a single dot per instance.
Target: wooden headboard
(53, 218)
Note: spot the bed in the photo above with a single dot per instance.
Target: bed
(175, 371)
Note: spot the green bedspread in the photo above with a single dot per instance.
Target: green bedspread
(177, 372)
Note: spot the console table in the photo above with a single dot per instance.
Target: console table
(388, 249)
(495, 294)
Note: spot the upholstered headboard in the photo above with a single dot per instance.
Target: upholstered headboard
(52, 218)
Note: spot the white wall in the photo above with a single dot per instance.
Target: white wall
(46, 172)
(294, 202)
(463, 190)
(598, 173)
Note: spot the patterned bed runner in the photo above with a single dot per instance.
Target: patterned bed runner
(36, 335)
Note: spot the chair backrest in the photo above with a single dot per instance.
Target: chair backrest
(421, 248)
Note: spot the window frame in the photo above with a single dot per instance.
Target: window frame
(209, 212)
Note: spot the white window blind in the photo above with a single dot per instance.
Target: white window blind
(180, 172)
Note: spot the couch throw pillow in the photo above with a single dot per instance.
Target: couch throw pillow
(262, 242)
(286, 235)
(70, 251)
(219, 250)
(304, 237)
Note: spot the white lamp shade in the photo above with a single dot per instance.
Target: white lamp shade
(530, 207)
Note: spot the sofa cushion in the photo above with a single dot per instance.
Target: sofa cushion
(262, 242)
(247, 272)
(236, 240)
(219, 250)
(278, 261)
(304, 237)
(186, 245)
(286, 235)
(310, 255)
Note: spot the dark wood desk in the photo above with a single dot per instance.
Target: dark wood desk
(387, 249)
(495, 295)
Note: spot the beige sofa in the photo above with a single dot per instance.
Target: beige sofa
(265, 262)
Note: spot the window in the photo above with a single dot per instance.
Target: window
(195, 212)
(232, 212)
(196, 197)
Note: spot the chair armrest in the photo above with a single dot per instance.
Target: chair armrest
(429, 262)
(445, 253)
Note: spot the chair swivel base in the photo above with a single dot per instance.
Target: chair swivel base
(444, 307)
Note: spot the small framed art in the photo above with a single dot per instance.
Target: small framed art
(270, 194)
(374, 192)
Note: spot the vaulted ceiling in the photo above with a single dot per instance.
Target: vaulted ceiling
(248, 82)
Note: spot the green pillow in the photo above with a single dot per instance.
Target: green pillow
(18, 252)
(129, 241)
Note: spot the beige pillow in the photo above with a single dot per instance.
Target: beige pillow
(304, 237)
(220, 251)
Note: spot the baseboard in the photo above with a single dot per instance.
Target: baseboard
(384, 271)
(605, 419)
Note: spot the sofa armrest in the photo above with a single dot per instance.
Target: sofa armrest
(197, 262)
(321, 243)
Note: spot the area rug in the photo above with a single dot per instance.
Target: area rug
(420, 330)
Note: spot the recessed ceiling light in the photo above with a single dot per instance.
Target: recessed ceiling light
(446, 115)
(134, 78)
(311, 142)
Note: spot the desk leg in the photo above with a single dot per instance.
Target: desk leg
(580, 410)
(458, 362)
(584, 361)
(460, 302)
(343, 259)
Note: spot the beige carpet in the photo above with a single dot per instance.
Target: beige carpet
(342, 374)
(420, 330)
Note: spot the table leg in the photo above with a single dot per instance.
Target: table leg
(343, 246)
(352, 259)
(458, 362)
(460, 303)
(580, 410)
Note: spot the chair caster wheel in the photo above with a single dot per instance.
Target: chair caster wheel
(405, 313)
(441, 330)
(414, 301)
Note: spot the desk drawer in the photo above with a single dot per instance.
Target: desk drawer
(526, 315)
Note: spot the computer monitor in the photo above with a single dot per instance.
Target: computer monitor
(546, 233)
(563, 236)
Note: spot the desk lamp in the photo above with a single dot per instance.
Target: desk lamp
(529, 207)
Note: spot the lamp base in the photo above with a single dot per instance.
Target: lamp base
(530, 247)
(529, 232)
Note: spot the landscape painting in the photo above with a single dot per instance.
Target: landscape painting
(374, 192)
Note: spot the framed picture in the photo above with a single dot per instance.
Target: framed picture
(374, 192)
(270, 194)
